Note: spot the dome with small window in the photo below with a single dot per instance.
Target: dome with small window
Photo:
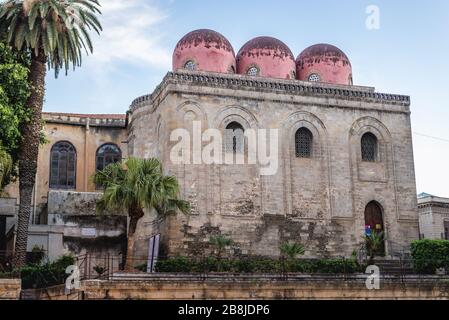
(204, 50)
(324, 63)
(266, 57)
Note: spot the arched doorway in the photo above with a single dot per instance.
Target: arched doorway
(374, 222)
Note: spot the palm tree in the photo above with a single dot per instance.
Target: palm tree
(5, 167)
(292, 250)
(220, 242)
(53, 32)
(135, 185)
(375, 245)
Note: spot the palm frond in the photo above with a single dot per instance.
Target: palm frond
(139, 183)
(59, 28)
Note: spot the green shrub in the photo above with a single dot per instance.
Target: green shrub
(256, 265)
(142, 267)
(36, 256)
(37, 276)
(6, 275)
(430, 255)
(176, 264)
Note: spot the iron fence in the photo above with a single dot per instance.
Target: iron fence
(112, 267)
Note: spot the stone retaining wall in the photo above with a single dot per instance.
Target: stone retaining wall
(10, 289)
(312, 289)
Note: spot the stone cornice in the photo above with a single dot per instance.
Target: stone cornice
(94, 120)
(433, 205)
(288, 87)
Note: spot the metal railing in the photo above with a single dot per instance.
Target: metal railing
(208, 268)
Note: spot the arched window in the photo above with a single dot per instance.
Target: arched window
(314, 78)
(303, 143)
(253, 72)
(107, 154)
(63, 166)
(235, 139)
(369, 147)
(190, 65)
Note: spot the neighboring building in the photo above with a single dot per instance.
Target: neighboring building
(64, 197)
(433, 217)
(345, 151)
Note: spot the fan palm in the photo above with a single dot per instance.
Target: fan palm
(220, 242)
(53, 32)
(292, 250)
(135, 185)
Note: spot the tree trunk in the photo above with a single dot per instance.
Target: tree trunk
(29, 150)
(135, 214)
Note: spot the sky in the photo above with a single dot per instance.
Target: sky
(408, 54)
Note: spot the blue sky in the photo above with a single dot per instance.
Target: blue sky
(409, 54)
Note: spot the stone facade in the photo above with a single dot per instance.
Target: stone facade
(318, 201)
(10, 289)
(220, 287)
(433, 217)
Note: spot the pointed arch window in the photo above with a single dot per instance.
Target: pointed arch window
(235, 139)
(369, 146)
(303, 143)
(63, 166)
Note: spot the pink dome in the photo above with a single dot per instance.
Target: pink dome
(324, 63)
(204, 50)
(266, 57)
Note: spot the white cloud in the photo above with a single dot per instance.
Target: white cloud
(131, 34)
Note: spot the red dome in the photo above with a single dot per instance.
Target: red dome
(324, 63)
(204, 50)
(266, 57)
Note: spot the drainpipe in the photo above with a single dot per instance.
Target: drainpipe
(86, 158)
(33, 217)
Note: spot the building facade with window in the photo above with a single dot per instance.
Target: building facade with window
(345, 152)
(433, 217)
(344, 158)
(64, 196)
